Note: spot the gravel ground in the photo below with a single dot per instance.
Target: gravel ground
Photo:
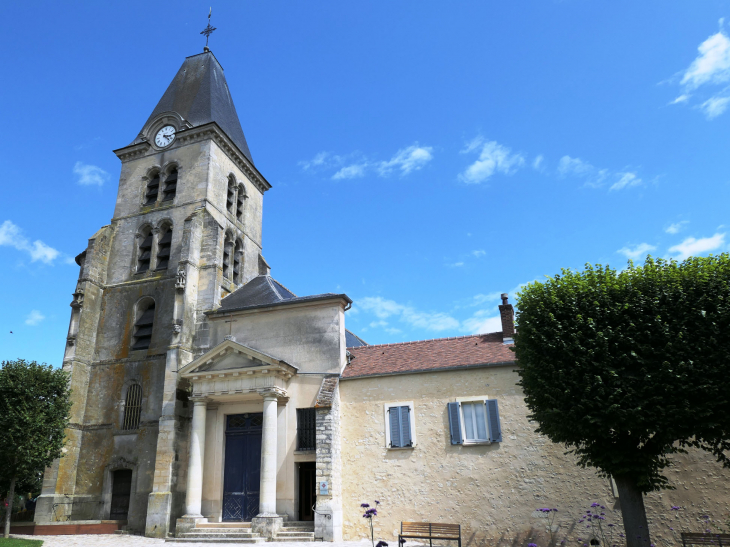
(113, 540)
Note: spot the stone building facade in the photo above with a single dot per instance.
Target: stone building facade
(205, 391)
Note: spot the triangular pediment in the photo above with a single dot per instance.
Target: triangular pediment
(230, 356)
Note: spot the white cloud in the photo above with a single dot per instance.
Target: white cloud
(408, 159)
(692, 247)
(12, 236)
(625, 180)
(714, 106)
(681, 99)
(574, 166)
(354, 171)
(90, 175)
(456, 265)
(676, 227)
(481, 323)
(383, 308)
(493, 158)
(638, 251)
(34, 317)
(479, 253)
(712, 65)
(537, 162)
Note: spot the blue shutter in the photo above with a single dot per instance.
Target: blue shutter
(495, 429)
(395, 429)
(405, 426)
(454, 422)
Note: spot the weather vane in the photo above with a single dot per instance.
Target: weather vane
(208, 30)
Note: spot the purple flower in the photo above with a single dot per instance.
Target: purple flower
(555, 510)
(595, 504)
(672, 529)
(381, 543)
(676, 507)
(610, 524)
(364, 505)
(378, 503)
(532, 545)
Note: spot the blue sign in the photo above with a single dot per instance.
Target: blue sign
(323, 488)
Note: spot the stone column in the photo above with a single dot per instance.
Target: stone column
(267, 522)
(267, 495)
(194, 492)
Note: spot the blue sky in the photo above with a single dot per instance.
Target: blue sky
(424, 156)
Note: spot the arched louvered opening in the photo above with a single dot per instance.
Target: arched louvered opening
(170, 185)
(240, 197)
(143, 325)
(231, 196)
(163, 247)
(227, 250)
(132, 407)
(153, 188)
(237, 259)
(144, 253)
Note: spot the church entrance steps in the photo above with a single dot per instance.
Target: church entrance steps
(220, 532)
(296, 531)
(219, 525)
(215, 540)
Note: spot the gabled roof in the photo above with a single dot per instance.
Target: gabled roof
(199, 93)
(429, 355)
(264, 290)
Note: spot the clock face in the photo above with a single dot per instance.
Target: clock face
(165, 136)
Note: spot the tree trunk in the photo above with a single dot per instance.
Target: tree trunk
(633, 512)
(9, 508)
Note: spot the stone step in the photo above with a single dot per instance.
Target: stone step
(298, 529)
(288, 523)
(219, 534)
(221, 531)
(298, 539)
(224, 525)
(216, 540)
(287, 532)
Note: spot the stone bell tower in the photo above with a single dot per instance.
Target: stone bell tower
(186, 232)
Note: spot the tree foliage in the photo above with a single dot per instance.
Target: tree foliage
(627, 368)
(34, 406)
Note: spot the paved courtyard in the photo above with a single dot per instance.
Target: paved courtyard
(109, 540)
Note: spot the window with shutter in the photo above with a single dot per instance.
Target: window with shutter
(143, 327)
(153, 188)
(399, 425)
(132, 407)
(163, 248)
(144, 253)
(170, 186)
(475, 421)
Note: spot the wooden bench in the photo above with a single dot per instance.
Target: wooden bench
(430, 531)
(705, 539)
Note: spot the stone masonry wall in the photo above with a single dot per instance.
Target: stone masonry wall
(329, 469)
(492, 490)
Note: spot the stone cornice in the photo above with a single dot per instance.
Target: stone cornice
(210, 131)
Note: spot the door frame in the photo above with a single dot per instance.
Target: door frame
(224, 452)
(106, 491)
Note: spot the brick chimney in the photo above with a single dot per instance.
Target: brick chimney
(507, 313)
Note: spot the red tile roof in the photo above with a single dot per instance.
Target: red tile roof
(427, 355)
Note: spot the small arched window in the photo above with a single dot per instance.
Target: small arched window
(163, 247)
(241, 196)
(170, 185)
(237, 256)
(144, 253)
(227, 250)
(143, 325)
(132, 407)
(153, 188)
(231, 196)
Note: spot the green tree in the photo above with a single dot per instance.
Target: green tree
(34, 406)
(627, 368)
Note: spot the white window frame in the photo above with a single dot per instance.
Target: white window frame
(412, 420)
(481, 399)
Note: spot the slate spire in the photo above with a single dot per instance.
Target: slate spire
(199, 93)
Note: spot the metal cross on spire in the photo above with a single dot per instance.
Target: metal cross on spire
(208, 30)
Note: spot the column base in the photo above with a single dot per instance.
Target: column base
(267, 525)
(187, 524)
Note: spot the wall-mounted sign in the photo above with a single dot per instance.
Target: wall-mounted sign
(324, 488)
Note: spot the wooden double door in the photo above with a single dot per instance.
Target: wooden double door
(242, 472)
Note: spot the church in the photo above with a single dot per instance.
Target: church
(211, 401)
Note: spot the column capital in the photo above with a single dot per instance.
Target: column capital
(274, 393)
(199, 400)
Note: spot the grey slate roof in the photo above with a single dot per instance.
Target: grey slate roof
(199, 93)
(264, 290)
(353, 340)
